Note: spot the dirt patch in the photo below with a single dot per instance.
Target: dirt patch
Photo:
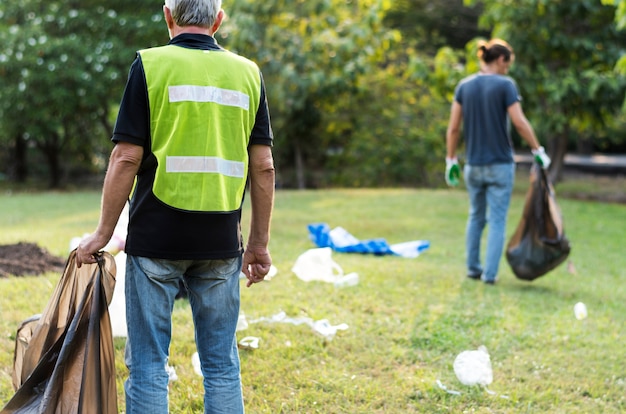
(23, 259)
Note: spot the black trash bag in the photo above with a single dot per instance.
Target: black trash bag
(539, 243)
(64, 359)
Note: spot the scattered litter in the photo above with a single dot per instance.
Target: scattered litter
(322, 327)
(443, 387)
(171, 373)
(249, 342)
(410, 249)
(117, 307)
(317, 264)
(281, 317)
(340, 240)
(195, 363)
(325, 329)
(454, 392)
(351, 279)
(242, 322)
(580, 311)
(474, 367)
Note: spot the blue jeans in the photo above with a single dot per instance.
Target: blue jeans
(213, 291)
(489, 188)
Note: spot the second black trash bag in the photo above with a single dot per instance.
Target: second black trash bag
(539, 243)
(64, 360)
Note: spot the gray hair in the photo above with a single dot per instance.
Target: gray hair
(194, 12)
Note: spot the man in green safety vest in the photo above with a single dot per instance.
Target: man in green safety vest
(193, 130)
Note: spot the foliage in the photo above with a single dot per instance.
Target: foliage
(314, 56)
(359, 91)
(63, 66)
(398, 133)
(431, 25)
(565, 71)
(407, 318)
(620, 20)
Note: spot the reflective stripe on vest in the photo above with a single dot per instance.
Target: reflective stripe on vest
(208, 94)
(205, 165)
(203, 105)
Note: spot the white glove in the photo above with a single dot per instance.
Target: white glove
(541, 157)
(453, 171)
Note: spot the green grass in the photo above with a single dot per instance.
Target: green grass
(408, 318)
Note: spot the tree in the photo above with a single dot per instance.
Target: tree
(432, 25)
(565, 58)
(63, 66)
(313, 54)
(620, 21)
(399, 140)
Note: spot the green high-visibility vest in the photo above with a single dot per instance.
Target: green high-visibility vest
(203, 105)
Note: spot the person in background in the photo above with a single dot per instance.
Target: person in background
(484, 105)
(193, 130)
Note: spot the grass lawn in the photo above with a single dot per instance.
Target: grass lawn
(407, 318)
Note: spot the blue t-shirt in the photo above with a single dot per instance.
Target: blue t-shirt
(484, 100)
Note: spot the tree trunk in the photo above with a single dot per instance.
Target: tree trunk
(19, 166)
(52, 156)
(51, 151)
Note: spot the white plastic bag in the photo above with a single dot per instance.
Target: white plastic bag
(474, 367)
(317, 264)
(117, 307)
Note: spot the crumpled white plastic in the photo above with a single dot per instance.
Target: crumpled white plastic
(325, 329)
(322, 327)
(341, 238)
(474, 367)
(117, 307)
(171, 373)
(242, 322)
(249, 342)
(317, 264)
(195, 362)
(446, 389)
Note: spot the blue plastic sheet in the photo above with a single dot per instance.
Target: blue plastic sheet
(340, 240)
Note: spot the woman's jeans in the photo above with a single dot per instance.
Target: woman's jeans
(489, 188)
(151, 286)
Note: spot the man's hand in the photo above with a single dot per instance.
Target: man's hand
(453, 171)
(256, 264)
(541, 157)
(88, 247)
